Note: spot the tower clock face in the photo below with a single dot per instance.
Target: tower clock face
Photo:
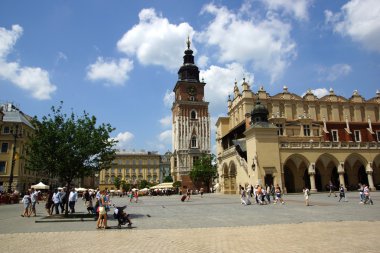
(192, 91)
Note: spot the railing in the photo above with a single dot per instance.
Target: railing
(229, 151)
(329, 145)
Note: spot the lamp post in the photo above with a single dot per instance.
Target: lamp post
(15, 136)
(96, 184)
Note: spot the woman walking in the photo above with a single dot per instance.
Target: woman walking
(26, 201)
(102, 220)
(306, 193)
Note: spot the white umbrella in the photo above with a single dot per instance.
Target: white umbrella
(40, 186)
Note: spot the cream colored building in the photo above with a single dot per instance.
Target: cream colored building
(15, 129)
(133, 167)
(307, 141)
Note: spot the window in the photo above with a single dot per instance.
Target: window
(280, 130)
(194, 142)
(2, 167)
(334, 135)
(378, 135)
(357, 136)
(193, 114)
(119, 170)
(306, 130)
(192, 98)
(4, 147)
(6, 130)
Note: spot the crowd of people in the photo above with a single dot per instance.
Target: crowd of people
(261, 194)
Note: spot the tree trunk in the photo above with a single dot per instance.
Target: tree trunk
(66, 204)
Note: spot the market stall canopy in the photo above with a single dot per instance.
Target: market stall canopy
(80, 189)
(163, 186)
(40, 186)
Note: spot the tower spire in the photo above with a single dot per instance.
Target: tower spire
(188, 42)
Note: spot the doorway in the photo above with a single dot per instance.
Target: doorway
(268, 179)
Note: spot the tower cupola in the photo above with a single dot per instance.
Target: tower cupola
(188, 71)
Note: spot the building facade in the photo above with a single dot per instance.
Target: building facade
(191, 119)
(306, 141)
(165, 165)
(133, 167)
(15, 129)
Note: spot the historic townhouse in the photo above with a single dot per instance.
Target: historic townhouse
(133, 167)
(15, 129)
(298, 141)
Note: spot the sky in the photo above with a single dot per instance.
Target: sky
(118, 60)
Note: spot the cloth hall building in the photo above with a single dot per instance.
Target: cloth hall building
(297, 141)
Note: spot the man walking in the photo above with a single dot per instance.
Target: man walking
(56, 200)
(34, 200)
(73, 197)
(331, 187)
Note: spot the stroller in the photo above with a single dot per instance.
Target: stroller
(121, 216)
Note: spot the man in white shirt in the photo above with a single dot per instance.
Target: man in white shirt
(56, 200)
(34, 200)
(73, 197)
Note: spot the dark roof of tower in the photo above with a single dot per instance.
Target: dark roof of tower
(188, 71)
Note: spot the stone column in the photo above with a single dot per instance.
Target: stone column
(311, 171)
(341, 174)
(369, 171)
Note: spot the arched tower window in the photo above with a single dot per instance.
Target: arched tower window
(193, 114)
(194, 142)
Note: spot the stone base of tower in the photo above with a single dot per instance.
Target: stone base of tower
(187, 183)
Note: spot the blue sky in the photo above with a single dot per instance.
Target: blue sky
(118, 60)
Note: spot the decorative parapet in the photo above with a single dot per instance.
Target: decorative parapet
(329, 145)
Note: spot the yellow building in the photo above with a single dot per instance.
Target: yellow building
(297, 141)
(15, 129)
(133, 167)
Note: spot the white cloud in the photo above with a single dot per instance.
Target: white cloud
(124, 139)
(202, 61)
(166, 121)
(319, 92)
(296, 8)
(220, 83)
(334, 72)
(165, 137)
(35, 80)
(266, 44)
(168, 98)
(155, 41)
(360, 20)
(115, 72)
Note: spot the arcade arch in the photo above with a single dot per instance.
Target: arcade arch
(376, 171)
(229, 176)
(296, 174)
(326, 170)
(355, 169)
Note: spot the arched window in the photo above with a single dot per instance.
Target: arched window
(194, 142)
(193, 114)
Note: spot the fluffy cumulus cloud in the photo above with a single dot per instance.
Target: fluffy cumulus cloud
(360, 20)
(166, 121)
(265, 43)
(154, 41)
(33, 79)
(168, 98)
(114, 72)
(334, 72)
(319, 92)
(220, 83)
(165, 137)
(124, 139)
(295, 8)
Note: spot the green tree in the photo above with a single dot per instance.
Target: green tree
(177, 184)
(168, 179)
(125, 186)
(143, 184)
(204, 171)
(117, 183)
(69, 147)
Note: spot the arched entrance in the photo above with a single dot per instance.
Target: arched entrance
(232, 177)
(289, 180)
(354, 166)
(376, 172)
(296, 174)
(326, 171)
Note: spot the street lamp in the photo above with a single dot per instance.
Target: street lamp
(15, 134)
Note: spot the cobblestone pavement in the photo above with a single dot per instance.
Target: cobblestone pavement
(215, 223)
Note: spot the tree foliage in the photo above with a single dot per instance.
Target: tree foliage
(125, 186)
(204, 171)
(117, 183)
(143, 184)
(69, 147)
(168, 179)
